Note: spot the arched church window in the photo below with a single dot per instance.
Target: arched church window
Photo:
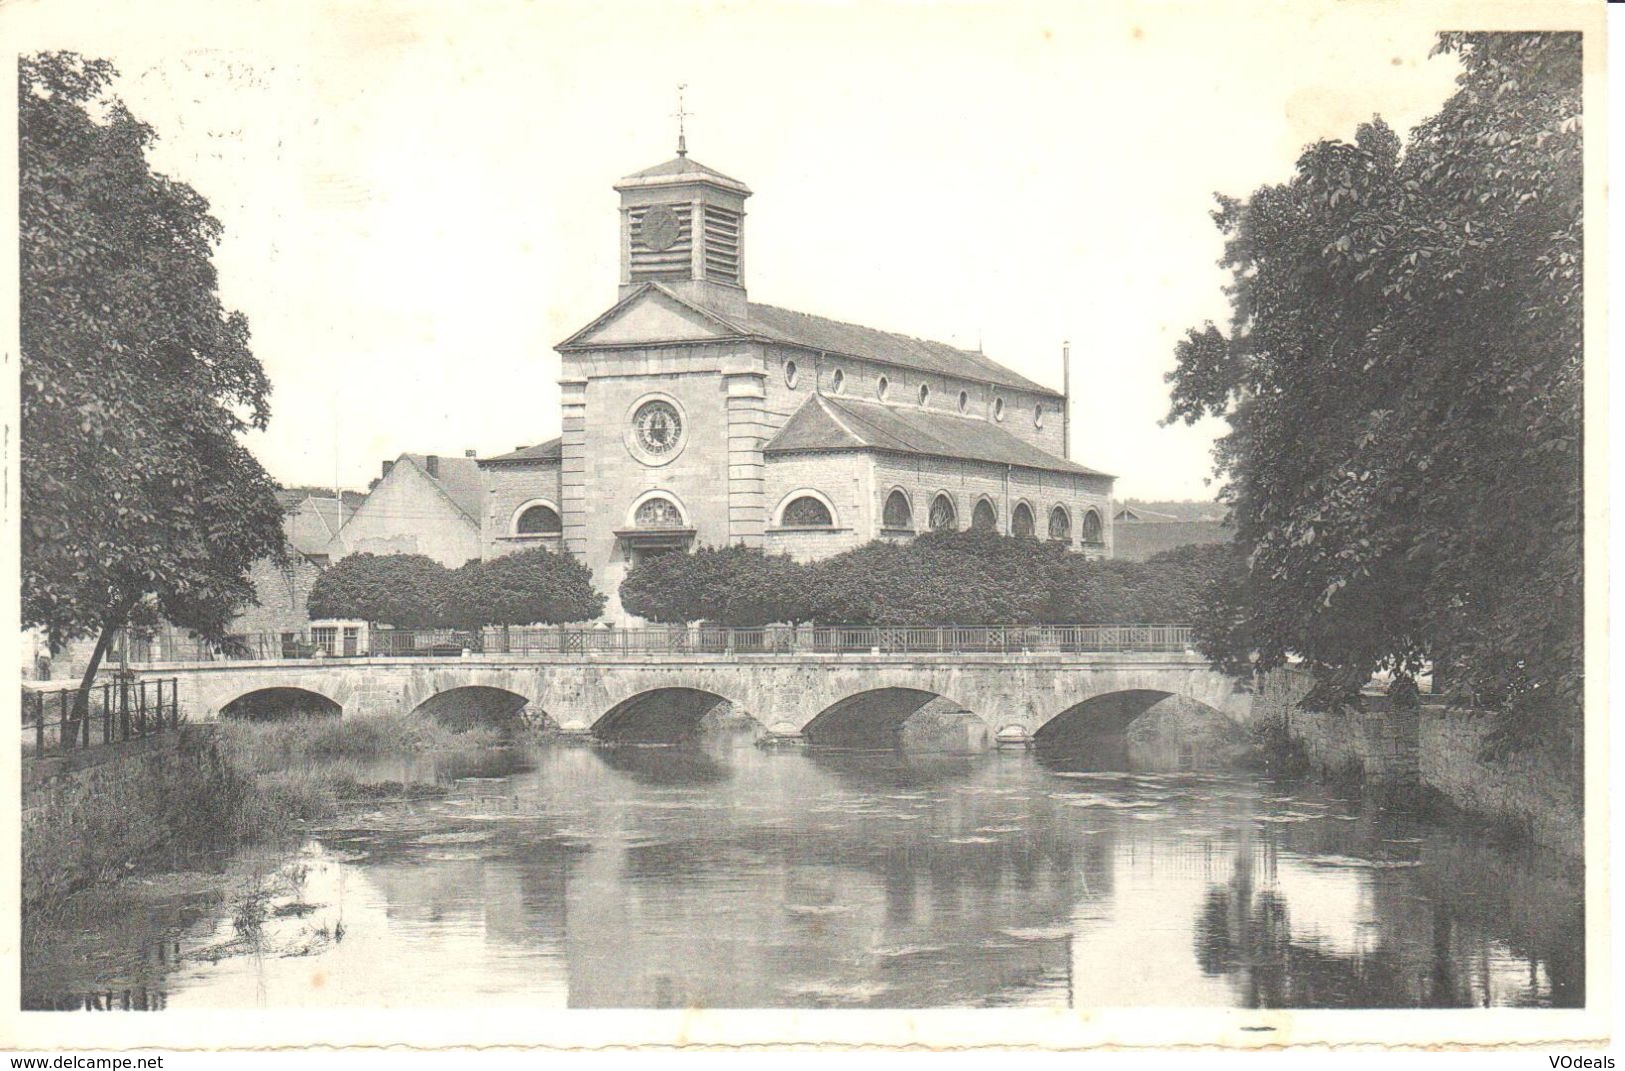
(791, 374)
(943, 515)
(925, 392)
(1091, 529)
(882, 388)
(1060, 524)
(1021, 521)
(998, 409)
(964, 400)
(837, 382)
(806, 512)
(984, 518)
(538, 520)
(898, 513)
(658, 513)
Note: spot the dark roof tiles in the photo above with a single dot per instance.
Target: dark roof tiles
(551, 450)
(855, 340)
(824, 424)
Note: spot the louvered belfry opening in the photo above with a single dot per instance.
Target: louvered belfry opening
(675, 261)
(683, 227)
(721, 244)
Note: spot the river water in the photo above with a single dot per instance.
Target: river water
(579, 877)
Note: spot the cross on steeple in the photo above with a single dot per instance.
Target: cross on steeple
(680, 114)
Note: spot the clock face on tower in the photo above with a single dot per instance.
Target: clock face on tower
(657, 427)
(659, 229)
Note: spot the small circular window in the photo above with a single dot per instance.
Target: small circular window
(925, 393)
(998, 409)
(1038, 416)
(837, 382)
(964, 400)
(882, 387)
(791, 374)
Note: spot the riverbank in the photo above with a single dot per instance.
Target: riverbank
(208, 792)
(1440, 754)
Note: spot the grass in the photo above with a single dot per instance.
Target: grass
(242, 784)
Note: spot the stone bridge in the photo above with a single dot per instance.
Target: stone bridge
(1007, 697)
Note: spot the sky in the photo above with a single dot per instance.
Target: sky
(417, 197)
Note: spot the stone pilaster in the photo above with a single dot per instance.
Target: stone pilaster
(748, 431)
(573, 466)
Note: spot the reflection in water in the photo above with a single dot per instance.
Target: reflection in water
(638, 877)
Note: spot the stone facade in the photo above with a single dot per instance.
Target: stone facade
(511, 489)
(731, 375)
(416, 508)
(283, 591)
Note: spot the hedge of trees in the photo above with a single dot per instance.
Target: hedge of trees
(940, 578)
(533, 587)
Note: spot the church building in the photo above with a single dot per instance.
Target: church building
(694, 416)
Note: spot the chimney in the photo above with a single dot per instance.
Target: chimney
(471, 453)
(434, 466)
(387, 466)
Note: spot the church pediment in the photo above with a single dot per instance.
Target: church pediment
(649, 316)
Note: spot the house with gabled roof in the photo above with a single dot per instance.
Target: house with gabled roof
(421, 504)
(694, 416)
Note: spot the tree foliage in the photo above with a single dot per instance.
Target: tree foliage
(532, 587)
(1402, 380)
(404, 590)
(940, 578)
(135, 381)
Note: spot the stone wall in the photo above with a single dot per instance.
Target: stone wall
(861, 380)
(283, 592)
(1529, 790)
(1437, 748)
(967, 482)
(511, 485)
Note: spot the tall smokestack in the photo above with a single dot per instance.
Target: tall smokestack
(1066, 400)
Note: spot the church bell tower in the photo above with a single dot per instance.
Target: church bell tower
(683, 226)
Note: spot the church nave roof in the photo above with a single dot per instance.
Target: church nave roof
(824, 423)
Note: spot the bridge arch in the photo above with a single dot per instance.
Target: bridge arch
(893, 716)
(467, 705)
(280, 702)
(1141, 728)
(671, 714)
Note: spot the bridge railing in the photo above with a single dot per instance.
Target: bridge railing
(841, 639)
(565, 642)
(119, 709)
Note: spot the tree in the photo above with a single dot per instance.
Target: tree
(404, 590)
(738, 586)
(135, 382)
(1402, 381)
(940, 578)
(532, 587)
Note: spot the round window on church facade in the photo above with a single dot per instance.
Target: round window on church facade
(791, 374)
(1038, 416)
(925, 393)
(837, 382)
(882, 388)
(964, 400)
(656, 428)
(998, 409)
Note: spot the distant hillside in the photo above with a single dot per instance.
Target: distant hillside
(1183, 510)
